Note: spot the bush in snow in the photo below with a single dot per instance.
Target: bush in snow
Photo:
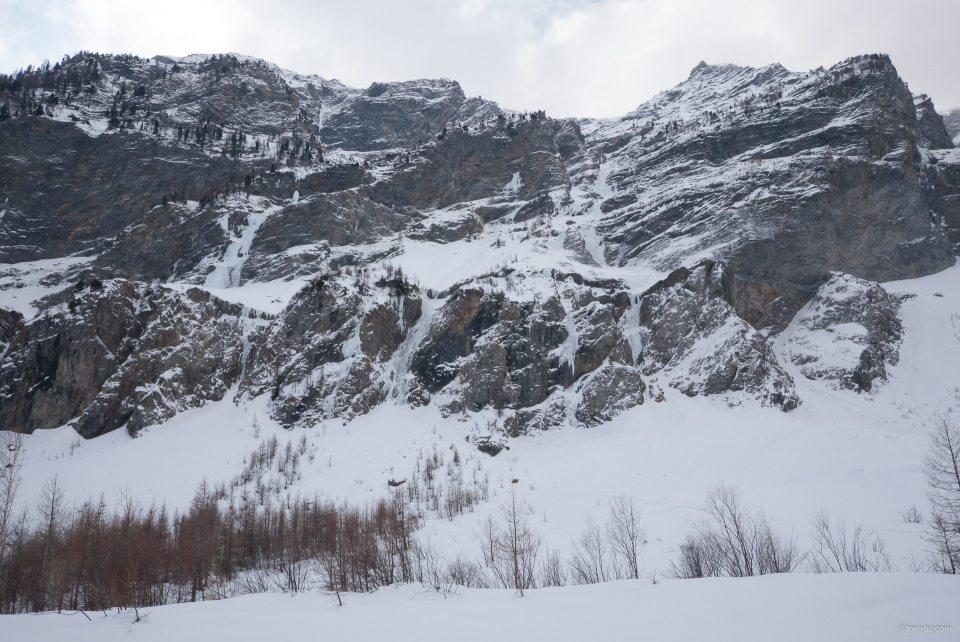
(733, 541)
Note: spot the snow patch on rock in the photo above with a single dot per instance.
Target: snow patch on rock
(847, 335)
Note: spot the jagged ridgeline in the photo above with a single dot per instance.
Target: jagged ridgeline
(146, 206)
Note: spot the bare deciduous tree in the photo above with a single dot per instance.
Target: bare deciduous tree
(11, 461)
(941, 467)
(51, 509)
(627, 536)
(511, 551)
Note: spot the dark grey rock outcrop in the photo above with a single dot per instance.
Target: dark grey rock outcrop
(321, 357)
(447, 228)
(484, 349)
(607, 392)
(951, 122)
(517, 160)
(693, 338)
(118, 355)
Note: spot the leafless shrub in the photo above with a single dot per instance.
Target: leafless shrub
(843, 550)
(429, 565)
(911, 516)
(552, 571)
(612, 552)
(591, 561)
(464, 572)
(733, 541)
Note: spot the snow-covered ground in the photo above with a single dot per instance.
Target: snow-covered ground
(857, 455)
(850, 606)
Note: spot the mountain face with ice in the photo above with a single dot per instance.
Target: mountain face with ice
(175, 231)
(951, 121)
(785, 176)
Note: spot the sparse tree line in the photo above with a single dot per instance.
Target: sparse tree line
(91, 557)
(30, 91)
(35, 91)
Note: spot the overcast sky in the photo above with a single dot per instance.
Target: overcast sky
(569, 57)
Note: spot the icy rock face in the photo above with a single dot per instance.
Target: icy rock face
(485, 349)
(323, 356)
(105, 192)
(10, 324)
(505, 160)
(220, 119)
(943, 175)
(574, 242)
(933, 133)
(118, 355)
(608, 391)
(446, 229)
(338, 219)
(847, 334)
(693, 338)
(785, 176)
(395, 114)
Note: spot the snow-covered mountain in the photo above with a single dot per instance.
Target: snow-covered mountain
(750, 278)
(743, 189)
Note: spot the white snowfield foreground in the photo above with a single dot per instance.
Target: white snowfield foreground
(772, 608)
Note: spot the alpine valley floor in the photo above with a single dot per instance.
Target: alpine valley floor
(857, 455)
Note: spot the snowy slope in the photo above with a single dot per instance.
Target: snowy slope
(858, 454)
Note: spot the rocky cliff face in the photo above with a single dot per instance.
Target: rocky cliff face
(106, 355)
(785, 176)
(951, 121)
(588, 266)
(692, 334)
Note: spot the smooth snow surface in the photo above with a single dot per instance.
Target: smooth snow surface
(852, 607)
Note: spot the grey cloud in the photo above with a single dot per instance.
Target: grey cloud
(570, 57)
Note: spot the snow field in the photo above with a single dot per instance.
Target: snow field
(850, 606)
